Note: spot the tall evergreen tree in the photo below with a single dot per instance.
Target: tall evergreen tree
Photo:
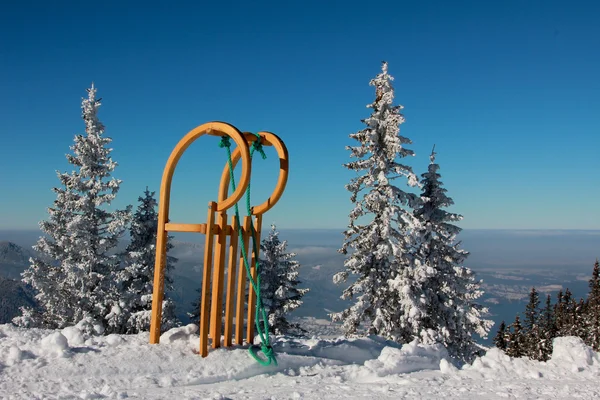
(279, 284)
(593, 309)
(559, 312)
(531, 329)
(73, 280)
(581, 326)
(516, 346)
(194, 313)
(131, 312)
(380, 240)
(532, 310)
(500, 340)
(445, 290)
(565, 314)
(547, 329)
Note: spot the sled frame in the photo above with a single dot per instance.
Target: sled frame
(220, 235)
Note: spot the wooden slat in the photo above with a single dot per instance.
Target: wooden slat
(204, 310)
(252, 293)
(159, 285)
(231, 275)
(176, 227)
(197, 228)
(241, 288)
(218, 278)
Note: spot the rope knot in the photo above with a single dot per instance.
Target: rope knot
(257, 146)
(267, 351)
(225, 142)
(268, 354)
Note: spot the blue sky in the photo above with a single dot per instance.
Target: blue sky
(508, 91)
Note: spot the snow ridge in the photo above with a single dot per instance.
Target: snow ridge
(41, 363)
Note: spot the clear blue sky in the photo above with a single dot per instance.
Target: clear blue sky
(507, 90)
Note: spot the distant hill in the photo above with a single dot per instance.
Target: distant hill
(14, 259)
(13, 295)
(13, 253)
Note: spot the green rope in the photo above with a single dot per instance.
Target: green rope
(263, 333)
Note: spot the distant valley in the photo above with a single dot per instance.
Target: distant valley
(508, 273)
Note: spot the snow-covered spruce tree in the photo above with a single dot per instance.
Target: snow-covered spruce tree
(501, 337)
(531, 327)
(581, 327)
(593, 309)
(559, 311)
(516, 346)
(547, 329)
(279, 284)
(444, 292)
(131, 312)
(379, 240)
(74, 278)
(565, 313)
(194, 313)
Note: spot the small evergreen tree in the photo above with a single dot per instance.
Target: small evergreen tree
(559, 310)
(532, 310)
(516, 346)
(131, 312)
(446, 290)
(74, 278)
(279, 284)
(380, 250)
(580, 321)
(194, 313)
(593, 309)
(500, 340)
(565, 314)
(531, 329)
(547, 329)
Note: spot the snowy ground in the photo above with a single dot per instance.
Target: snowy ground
(42, 364)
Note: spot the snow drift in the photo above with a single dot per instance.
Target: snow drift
(47, 364)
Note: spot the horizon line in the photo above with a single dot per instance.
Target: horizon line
(342, 229)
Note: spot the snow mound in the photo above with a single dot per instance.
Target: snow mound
(14, 355)
(114, 340)
(183, 333)
(346, 351)
(409, 358)
(570, 355)
(572, 351)
(55, 343)
(74, 336)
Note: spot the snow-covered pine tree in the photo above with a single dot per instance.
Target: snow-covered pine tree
(565, 316)
(131, 312)
(279, 284)
(531, 328)
(516, 346)
(531, 310)
(445, 292)
(500, 338)
(559, 310)
(547, 329)
(593, 309)
(194, 313)
(74, 278)
(580, 321)
(379, 240)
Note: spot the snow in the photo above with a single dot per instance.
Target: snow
(52, 364)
